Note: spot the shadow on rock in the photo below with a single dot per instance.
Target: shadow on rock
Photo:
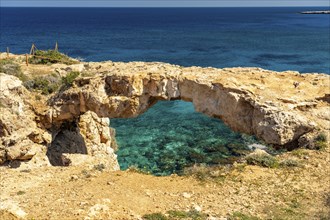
(67, 140)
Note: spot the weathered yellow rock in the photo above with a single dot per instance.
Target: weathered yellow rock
(277, 107)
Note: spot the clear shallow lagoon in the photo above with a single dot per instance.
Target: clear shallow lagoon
(171, 135)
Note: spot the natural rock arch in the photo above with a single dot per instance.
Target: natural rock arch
(132, 89)
(282, 108)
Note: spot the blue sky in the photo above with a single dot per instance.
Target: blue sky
(161, 3)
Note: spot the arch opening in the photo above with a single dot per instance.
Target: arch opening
(171, 136)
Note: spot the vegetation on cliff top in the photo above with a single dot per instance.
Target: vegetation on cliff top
(49, 57)
(46, 84)
(10, 67)
(49, 84)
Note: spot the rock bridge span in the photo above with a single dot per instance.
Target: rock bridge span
(72, 126)
(277, 107)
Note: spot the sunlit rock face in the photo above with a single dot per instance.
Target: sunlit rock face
(26, 143)
(20, 136)
(277, 107)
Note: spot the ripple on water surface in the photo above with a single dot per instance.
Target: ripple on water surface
(171, 135)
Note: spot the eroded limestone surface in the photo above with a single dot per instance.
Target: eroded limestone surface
(278, 107)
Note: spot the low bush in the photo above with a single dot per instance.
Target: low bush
(321, 137)
(20, 192)
(300, 153)
(46, 84)
(289, 163)
(50, 83)
(49, 57)
(100, 167)
(241, 216)
(264, 160)
(176, 214)
(320, 141)
(9, 67)
(192, 214)
(69, 78)
(86, 173)
(155, 216)
(203, 172)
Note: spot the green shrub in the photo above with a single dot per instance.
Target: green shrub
(321, 137)
(50, 56)
(264, 160)
(20, 192)
(46, 84)
(50, 83)
(202, 172)
(320, 141)
(300, 153)
(177, 214)
(320, 145)
(289, 163)
(38, 97)
(155, 216)
(99, 167)
(192, 214)
(69, 78)
(9, 67)
(86, 173)
(241, 216)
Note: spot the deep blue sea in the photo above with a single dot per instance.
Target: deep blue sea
(171, 135)
(271, 38)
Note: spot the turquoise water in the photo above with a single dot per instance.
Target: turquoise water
(171, 135)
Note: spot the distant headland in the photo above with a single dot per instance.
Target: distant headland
(315, 12)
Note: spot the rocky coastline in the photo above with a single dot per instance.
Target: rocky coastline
(285, 109)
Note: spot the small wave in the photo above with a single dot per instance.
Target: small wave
(80, 59)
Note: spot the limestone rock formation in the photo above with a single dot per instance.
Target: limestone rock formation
(250, 100)
(89, 141)
(23, 136)
(20, 136)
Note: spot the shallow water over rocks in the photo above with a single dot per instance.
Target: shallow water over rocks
(171, 135)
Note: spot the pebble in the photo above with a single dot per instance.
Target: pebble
(74, 177)
(197, 208)
(186, 195)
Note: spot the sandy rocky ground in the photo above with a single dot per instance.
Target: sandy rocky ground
(77, 193)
